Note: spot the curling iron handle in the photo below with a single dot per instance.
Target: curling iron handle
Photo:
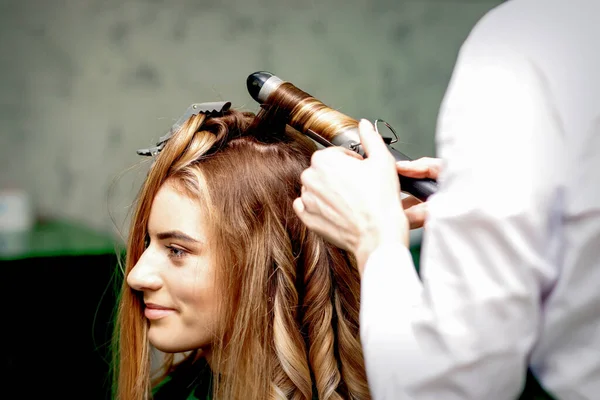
(420, 188)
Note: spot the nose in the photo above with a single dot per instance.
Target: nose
(145, 276)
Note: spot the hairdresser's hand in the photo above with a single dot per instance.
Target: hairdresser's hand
(351, 202)
(426, 167)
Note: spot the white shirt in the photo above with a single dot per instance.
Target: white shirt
(511, 249)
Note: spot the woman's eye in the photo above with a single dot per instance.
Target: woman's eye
(175, 252)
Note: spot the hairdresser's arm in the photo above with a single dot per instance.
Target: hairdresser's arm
(467, 331)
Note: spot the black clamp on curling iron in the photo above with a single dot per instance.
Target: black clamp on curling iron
(325, 125)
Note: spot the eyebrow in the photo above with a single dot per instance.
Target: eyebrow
(177, 235)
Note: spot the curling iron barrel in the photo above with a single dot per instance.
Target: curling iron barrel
(322, 123)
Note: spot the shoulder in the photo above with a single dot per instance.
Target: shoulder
(508, 44)
(535, 28)
(503, 29)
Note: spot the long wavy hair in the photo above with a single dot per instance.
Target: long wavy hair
(290, 300)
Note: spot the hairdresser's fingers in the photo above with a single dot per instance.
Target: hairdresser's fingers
(416, 215)
(333, 157)
(409, 201)
(321, 226)
(372, 142)
(310, 202)
(319, 207)
(425, 167)
(322, 178)
(345, 151)
(298, 206)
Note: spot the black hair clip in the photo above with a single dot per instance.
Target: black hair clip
(208, 109)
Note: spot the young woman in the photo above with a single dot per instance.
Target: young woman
(221, 271)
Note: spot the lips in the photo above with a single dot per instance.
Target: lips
(158, 307)
(156, 311)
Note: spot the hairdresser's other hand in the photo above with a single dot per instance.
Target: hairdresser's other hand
(425, 167)
(354, 203)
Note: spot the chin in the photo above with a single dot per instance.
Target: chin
(165, 341)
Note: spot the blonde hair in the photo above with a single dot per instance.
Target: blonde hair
(291, 300)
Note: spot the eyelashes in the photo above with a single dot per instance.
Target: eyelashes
(174, 252)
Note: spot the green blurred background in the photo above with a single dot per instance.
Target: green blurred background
(87, 82)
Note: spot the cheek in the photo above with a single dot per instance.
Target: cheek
(192, 292)
(197, 298)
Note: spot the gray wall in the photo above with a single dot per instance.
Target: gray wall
(87, 82)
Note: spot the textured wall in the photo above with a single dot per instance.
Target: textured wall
(87, 82)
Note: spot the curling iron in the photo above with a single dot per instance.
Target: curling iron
(325, 125)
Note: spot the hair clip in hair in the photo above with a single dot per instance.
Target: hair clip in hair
(208, 109)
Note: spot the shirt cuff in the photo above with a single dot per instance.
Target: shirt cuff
(390, 289)
(390, 272)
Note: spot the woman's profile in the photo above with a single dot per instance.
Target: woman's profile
(221, 271)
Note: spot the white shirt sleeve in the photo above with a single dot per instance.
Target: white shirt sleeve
(466, 331)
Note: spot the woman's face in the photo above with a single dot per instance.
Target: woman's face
(175, 275)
